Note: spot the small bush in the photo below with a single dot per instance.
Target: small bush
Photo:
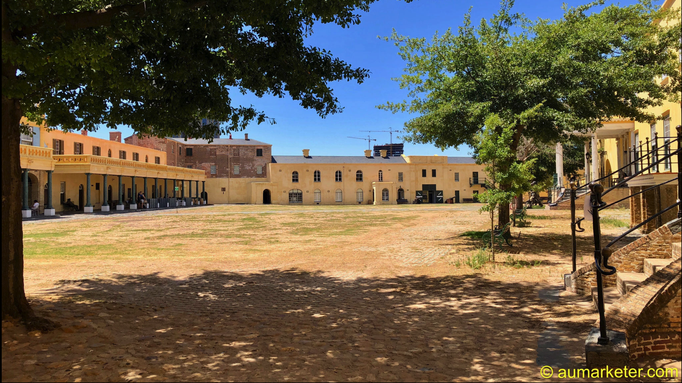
(511, 261)
(613, 222)
(477, 259)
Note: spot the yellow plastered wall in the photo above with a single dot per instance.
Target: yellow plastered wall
(47, 136)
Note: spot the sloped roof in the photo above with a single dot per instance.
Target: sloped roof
(461, 160)
(336, 160)
(218, 141)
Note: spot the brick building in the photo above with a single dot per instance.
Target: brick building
(221, 158)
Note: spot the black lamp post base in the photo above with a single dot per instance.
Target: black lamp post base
(614, 353)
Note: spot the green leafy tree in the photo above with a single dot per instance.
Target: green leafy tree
(158, 66)
(492, 148)
(575, 73)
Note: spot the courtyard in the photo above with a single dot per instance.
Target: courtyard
(314, 293)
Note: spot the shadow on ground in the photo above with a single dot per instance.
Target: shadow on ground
(292, 325)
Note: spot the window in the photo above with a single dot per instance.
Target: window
(381, 176)
(423, 172)
(26, 139)
(259, 152)
(146, 158)
(213, 169)
(122, 154)
(173, 149)
(136, 156)
(188, 152)
(358, 176)
(400, 176)
(316, 176)
(318, 196)
(358, 196)
(109, 153)
(236, 169)
(77, 148)
(62, 192)
(384, 195)
(259, 169)
(653, 130)
(179, 150)
(96, 185)
(294, 177)
(295, 196)
(96, 151)
(157, 160)
(433, 172)
(456, 177)
(475, 177)
(339, 195)
(57, 147)
(338, 176)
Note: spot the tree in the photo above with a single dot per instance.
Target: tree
(492, 148)
(576, 73)
(158, 66)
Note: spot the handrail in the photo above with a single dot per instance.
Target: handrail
(641, 171)
(638, 193)
(641, 224)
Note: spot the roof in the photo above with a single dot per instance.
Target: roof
(461, 160)
(336, 160)
(218, 141)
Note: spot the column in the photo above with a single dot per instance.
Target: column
(560, 164)
(190, 192)
(165, 191)
(133, 203)
(120, 205)
(88, 207)
(25, 208)
(197, 186)
(49, 209)
(146, 194)
(105, 203)
(156, 191)
(175, 183)
(595, 158)
(588, 177)
(182, 189)
(203, 192)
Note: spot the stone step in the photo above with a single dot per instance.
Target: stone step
(611, 295)
(627, 281)
(652, 265)
(677, 248)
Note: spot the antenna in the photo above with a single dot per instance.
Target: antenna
(368, 139)
(390, 131)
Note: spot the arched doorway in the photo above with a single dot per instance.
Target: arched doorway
(401, 193)
(266, 197)
(33, 189)
(81, 197)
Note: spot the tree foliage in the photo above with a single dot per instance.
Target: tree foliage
(158, 66)
(573, 74)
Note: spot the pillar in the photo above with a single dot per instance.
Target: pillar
(88, 206)
(156, 191)
(182, 189)
(105, 203)
(560, 164)
(133, 203)
(197, 186)
(190, 192)
(120, 205)
(595, 158)
(146, 194)
(588, 177)
(49, 209)
(25, 208)
(174, 186)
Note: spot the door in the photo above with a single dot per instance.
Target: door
(475, 195)
(456, 196)
(439, 196)
(266, 196)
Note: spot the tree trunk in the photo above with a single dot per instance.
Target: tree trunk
(492, 233)
(503, 214)
(14, 302)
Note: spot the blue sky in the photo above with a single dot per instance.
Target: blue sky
(359, 45)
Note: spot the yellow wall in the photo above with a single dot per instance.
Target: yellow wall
(46, 137)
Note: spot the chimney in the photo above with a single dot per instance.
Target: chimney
(115, 136)
(246, 136)
(384, 153)
(368, 153)
(230, 136)
(84, 132)
(306, 153)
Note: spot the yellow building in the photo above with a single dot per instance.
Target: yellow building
(63, 171)
(348, 180)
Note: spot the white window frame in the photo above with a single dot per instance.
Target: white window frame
(359, 196)
(297, 195)
(338, 176)
(338, 195)
(384, 194)
(317, 196)
(381, 176)
(235, 170)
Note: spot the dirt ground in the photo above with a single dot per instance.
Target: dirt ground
(314, 293)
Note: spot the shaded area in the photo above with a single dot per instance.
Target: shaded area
(289, 324)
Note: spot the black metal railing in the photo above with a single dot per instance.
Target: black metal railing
(645, 159)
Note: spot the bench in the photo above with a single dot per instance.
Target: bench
(501, 236)
(467, 200)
